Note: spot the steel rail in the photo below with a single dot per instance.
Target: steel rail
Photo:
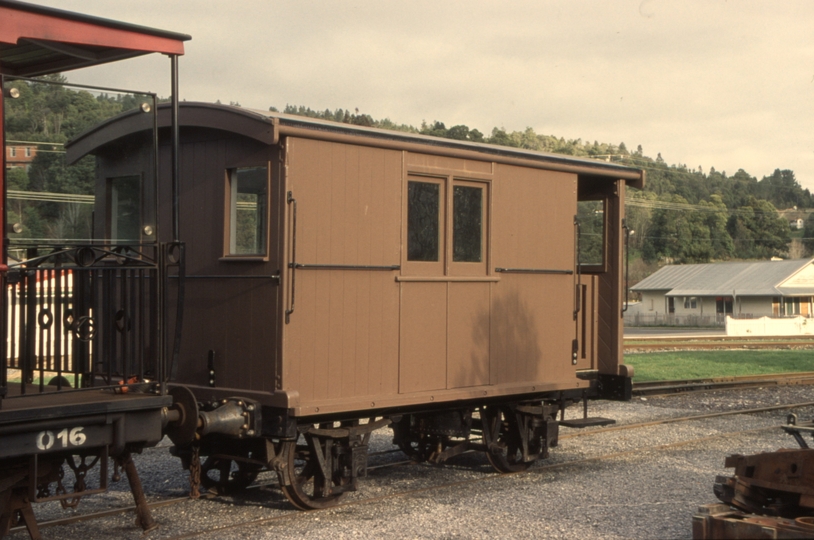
(101, 514)
(630, 338)
(728, 345)
(657, 388)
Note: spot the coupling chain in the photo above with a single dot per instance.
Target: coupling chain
(195, 472)
(80, 470)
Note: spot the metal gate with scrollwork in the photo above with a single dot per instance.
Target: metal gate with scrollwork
(82, 317)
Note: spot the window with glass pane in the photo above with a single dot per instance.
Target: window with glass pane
(423, 226)
(125, 209)
(247, 228)
(51, 200)
(467, 224)
(591, 215)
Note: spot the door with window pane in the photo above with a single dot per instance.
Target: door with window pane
(444, 288)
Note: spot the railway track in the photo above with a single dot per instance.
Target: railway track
(642, 344)
(463, 485)
(448, 485)
(658, 388)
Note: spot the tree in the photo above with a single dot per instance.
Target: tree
(758, 231)
(17, 178)
(677, 235)
(722, 246)
(808, 235)
(782, 190)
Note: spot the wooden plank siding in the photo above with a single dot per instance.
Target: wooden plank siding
(533, 228)
(244, 337)
(588, 322)
(342, 339)
(610, 342)
(376, 333)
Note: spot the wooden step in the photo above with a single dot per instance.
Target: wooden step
(580, 423)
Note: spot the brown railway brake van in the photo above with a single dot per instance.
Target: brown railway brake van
(337, 279)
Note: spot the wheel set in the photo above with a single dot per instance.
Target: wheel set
(326, 459)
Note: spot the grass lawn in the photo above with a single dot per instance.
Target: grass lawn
(670, 366)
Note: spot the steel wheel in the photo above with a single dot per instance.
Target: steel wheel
(224, 475)
(501, 435)
(305, 485)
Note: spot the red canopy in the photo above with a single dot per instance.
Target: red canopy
(36, 40)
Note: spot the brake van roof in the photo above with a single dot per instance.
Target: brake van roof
(269, 126)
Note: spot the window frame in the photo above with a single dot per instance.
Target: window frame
(109, 203)
(446, 267)
(601, 267)
(426, 268)
(230, 215)
(467, 268)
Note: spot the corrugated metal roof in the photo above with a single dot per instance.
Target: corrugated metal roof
(200, 114)
(725, 279)
(319, 124)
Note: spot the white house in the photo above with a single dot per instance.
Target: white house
(705, 293)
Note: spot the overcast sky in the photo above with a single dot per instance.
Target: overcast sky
(727, 84)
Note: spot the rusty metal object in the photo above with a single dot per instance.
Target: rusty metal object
(721, 521)
(774, 483)
(16, 510)
(771, 495)
(195, 472)
(317, 473)
(144, 518)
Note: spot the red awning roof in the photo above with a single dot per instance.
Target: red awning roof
(37, 40)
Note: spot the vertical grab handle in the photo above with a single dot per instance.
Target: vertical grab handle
(577, 290)
(293, 264)
(577, 267)
(627, 263)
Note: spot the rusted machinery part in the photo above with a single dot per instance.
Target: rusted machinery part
(304, 484)
(501, 436)
(416, 446)
(773, 483)
(224, 475)
(181, 430)
(324, 462)
(15, 509)
(144, 518)
(720, 521)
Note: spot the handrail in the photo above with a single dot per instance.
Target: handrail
(577, 289)
(292, 265)
(533, 271)
(627, 264)
(577, 265)
(343, 267)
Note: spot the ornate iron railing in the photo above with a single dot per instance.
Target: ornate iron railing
(81, 317)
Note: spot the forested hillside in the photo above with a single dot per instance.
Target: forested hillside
(683, 215)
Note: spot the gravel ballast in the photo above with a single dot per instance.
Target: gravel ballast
(638, 492)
